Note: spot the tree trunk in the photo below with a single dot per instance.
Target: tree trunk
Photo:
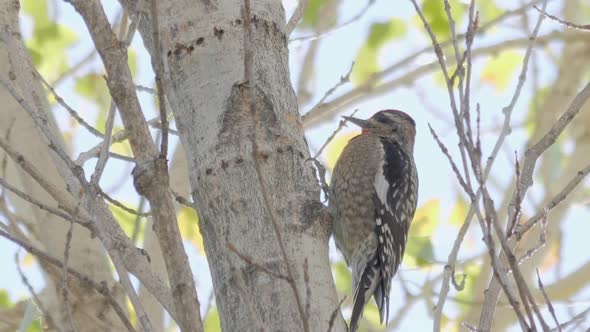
(253, 188)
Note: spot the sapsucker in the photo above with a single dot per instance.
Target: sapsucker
(375, 188)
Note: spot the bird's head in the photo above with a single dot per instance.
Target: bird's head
(392, 124)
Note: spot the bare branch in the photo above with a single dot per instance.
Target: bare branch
(158, 65)
(335, 314)
(551, 310)
(564, 22)
(123, 206)
(151, 177)
(296, 17)
(34, 295)
(341, 125)
(101, 288)
(562, 195)
(65, 290)
(323, 34)
(70, 110)
(343, 80)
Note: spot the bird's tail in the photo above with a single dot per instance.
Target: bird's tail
(366, 286)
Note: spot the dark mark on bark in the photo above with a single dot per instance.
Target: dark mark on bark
(218, 32)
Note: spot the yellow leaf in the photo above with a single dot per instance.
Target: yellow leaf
(27, 261)
(212, 322)
(499, 70)
(458, 213)
(551, 258)
(336, 146)
(122, 148)
(188, 222)
(425, 218)
(132, 314)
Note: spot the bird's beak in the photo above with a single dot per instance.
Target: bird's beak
(359, 122)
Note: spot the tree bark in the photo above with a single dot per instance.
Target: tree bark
(204, 47)
(46, 230)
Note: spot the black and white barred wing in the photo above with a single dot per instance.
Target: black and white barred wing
(393, 186)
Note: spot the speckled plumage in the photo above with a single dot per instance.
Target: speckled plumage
(375, 187)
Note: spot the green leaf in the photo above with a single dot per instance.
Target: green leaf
(370, 320)
(188, 222)
(434, 12)
(37, 9)
(466, 296)
(419, 251)
(459, 212)
(488, 10)
(342, 278)
(426, 218)
(311, 15)
(4, 299)
(499, 71)
(35, 326)
(126, 220)
(380, 34)
(132, 61)
(212, 323)
(93, 87)
(49, 42)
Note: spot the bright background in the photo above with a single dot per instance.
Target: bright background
(387, 32)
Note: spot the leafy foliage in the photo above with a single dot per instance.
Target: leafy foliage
(50, 41)
(188, 222)
(499, 71)
(436, 16)
(380, 34)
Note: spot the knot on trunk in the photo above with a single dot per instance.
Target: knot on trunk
(150, 175)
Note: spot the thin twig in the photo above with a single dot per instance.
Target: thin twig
(343, 80)
(574, 319)
(496, 267)
(70, 110)
(34, 295)
(65, 290)
(341, 125)
(548, 301)
(104, 151)
(100, 288)
(45, 207)
(296, 17)
(159, 70)
(542, 241)
(320, 35)
(374, 85)
(260, 267)
(335, 314)
(123, 206)
(562, 195)
(564, 22)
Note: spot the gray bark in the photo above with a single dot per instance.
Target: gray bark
(47, 231)
(204, 45)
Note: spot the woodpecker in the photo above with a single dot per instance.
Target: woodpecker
(374, 192)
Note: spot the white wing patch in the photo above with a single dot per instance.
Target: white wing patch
(381, 188)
